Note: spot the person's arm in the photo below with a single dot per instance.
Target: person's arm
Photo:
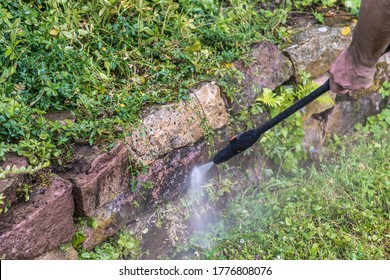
(354, 69)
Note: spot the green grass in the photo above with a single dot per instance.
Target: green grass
(339, 210)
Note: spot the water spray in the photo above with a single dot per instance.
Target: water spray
(244, 140)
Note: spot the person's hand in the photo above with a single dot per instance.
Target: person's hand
(346, 74)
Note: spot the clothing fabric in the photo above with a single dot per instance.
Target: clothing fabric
(354, 69)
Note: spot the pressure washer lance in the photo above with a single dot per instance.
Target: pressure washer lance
(244, 140)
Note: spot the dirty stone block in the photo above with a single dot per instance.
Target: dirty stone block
(171, 174)
(66, 252)
(314, 134)
(10, 184)
(32, 228)
(106, 177)
(269, 69)
(107, 226)
(314, 49)
(111, 217)
(346, 114)
(173, 126)
(164, 129)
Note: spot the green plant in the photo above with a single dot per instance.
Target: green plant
(304, 77)
(376, 125)
(24, 192)
(2, 199)
(78, 239)
(309, 3)
(384, 91)
(319, 17)
(14, 170)
(270, 98)
(352, 5)
(92, 223)
(120, 246)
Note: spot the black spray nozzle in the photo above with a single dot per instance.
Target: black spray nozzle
(244, 140)
(237, 144)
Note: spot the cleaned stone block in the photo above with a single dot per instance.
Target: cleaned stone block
(171, 174)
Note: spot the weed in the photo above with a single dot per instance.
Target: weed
(175, 222)
(22, 170)
(283, 143)
(385, 89)
(24, 192)
(78, 239)
(2, 199)
(120, 246)
(91, 222)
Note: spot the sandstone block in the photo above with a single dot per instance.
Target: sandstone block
(66, 253)
(314, 49)
(106, 176)
(269, 69)
(346, 114)
(171, 174)
(32, 228)
(173, 126)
